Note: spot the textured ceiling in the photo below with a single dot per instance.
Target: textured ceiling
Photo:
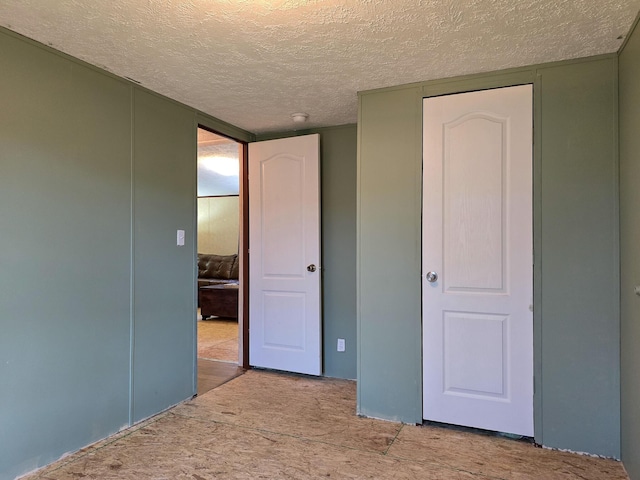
(253, 63)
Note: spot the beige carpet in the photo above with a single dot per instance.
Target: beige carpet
(218, 340)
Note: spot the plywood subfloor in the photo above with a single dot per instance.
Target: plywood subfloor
(218, 339)
(264, 425)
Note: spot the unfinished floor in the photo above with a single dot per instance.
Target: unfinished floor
(264, 425)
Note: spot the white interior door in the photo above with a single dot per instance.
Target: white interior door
(477, 239)
(284, 254)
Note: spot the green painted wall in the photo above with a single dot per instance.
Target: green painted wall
(389, 255)
(64, 256)
(164, 201)
(580, 281)
(629, 104)
(97, 303)
(575, 234)
(338, 191)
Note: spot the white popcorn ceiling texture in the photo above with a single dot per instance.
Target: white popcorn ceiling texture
(253, 63)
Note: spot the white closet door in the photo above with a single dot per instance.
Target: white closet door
(477, 239)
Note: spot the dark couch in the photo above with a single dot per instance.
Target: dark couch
(217, 269)
(218, 285)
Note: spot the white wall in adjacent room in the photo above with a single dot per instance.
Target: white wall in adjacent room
(218, 225)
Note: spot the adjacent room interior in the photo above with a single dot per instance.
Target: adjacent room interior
(218, 264)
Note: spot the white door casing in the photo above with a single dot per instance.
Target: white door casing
(284, 240)
(478, 238)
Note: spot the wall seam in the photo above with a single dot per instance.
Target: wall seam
(617, 246)
(358, 259)
(131, 261)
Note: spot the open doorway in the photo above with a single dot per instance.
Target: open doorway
(219, 247)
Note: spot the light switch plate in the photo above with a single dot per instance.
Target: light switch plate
(180, 239)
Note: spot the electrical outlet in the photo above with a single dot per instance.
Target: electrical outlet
(341, 345)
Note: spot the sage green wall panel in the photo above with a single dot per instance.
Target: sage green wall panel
(338, 176)
(389, 255)
(164, 192)
(338, 147)
(579, 239)
(629, 68)
(64, 256)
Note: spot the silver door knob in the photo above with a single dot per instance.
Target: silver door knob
(311, 268)
(432, 277)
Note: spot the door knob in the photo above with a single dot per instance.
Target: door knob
(432, 277)
(311, 268)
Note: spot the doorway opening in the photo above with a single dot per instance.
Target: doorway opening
(221, 259)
